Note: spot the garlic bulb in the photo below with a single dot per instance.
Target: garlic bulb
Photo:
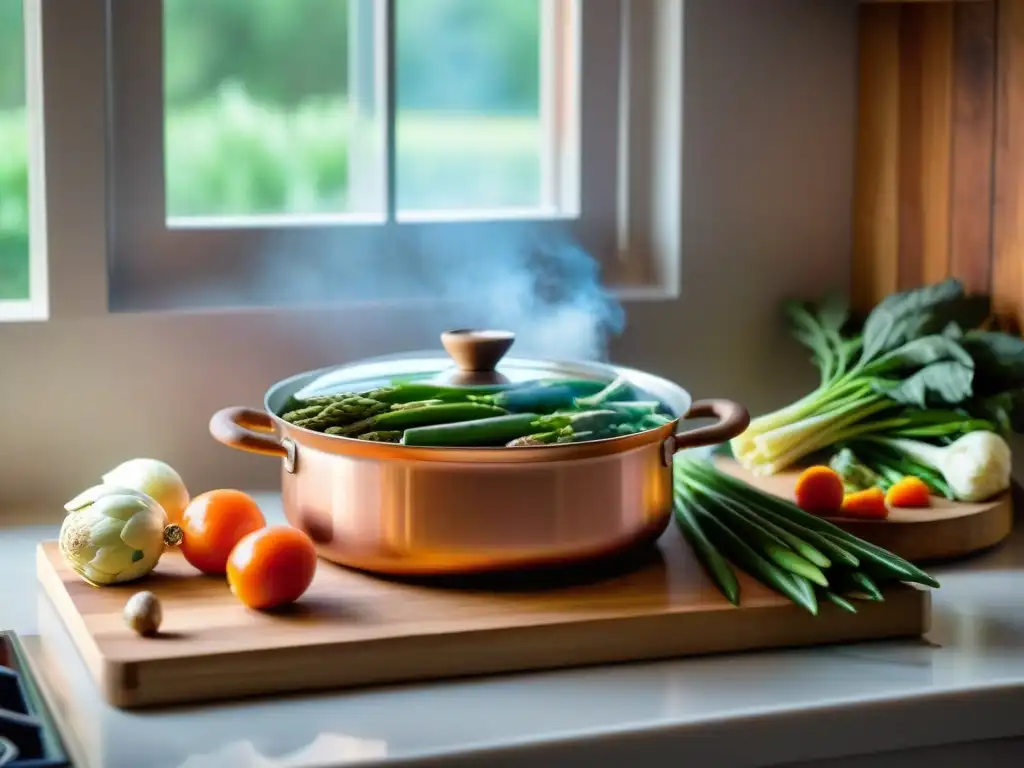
(114, 534)
(154, 478)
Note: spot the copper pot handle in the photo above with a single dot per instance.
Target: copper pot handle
(247, 430)
(733, 419)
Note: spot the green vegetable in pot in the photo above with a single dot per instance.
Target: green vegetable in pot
(620, 389)
(538, 399)
(415, 391)
(487, 394)
(571, 434)
(636, 409)
(910, 371)
(500, 431)
(449, 413)
(326, 413)
(415, 404)
(393, 436)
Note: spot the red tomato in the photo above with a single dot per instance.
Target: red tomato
(213, 523)
(272, 567)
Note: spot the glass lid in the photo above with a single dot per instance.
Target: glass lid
(469, 358)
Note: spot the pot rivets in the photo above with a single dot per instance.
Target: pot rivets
(290, 456)
(668, 451)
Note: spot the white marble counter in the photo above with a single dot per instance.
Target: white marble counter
(965, 683)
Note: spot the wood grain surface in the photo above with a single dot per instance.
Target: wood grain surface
(945, 531)
(352, 629)
(1008, 218)
(940, 163)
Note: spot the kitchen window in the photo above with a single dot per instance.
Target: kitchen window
(317, 152)
(322, 141)
(22, 263)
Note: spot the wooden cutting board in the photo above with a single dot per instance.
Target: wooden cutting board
(351, 629)
(947, 530)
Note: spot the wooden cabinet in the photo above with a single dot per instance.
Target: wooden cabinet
(940, 156)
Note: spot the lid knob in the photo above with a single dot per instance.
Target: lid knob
(477, 353)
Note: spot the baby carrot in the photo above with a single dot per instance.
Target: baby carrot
(865, 505)
(819, 490)
(909, 492)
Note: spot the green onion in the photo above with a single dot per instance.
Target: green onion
(839, 600)
(768, 507)
(743, 555)
(715, 565)
(803, 557)
(773, 547)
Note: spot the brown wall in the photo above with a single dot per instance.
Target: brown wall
(940, 167)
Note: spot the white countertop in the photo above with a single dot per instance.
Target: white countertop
(966, 682)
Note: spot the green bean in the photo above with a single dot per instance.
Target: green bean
(495, 431)
(415, 391)
(715, 565)
(543, 398)
(422, 417)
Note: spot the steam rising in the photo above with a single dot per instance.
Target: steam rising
(544, 287)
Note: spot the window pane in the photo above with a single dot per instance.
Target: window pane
(264, 113)
(14, 259)
(469, 131)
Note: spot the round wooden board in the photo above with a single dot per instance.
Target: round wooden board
(947, 530)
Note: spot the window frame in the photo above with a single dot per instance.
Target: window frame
(156, 266)
(71, 215)
(35, 306)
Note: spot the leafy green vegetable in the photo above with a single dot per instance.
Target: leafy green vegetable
(942, 383)
(918, 366)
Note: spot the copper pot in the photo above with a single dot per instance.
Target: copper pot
(403, 510)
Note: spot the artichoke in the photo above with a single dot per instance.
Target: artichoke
(114, 534)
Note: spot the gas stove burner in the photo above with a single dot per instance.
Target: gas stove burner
(28, 735)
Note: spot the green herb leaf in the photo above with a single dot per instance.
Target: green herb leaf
(953, 331)
(939, 384)
(905, 316)
(833, 313)
(921, 352)
(809, 332)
